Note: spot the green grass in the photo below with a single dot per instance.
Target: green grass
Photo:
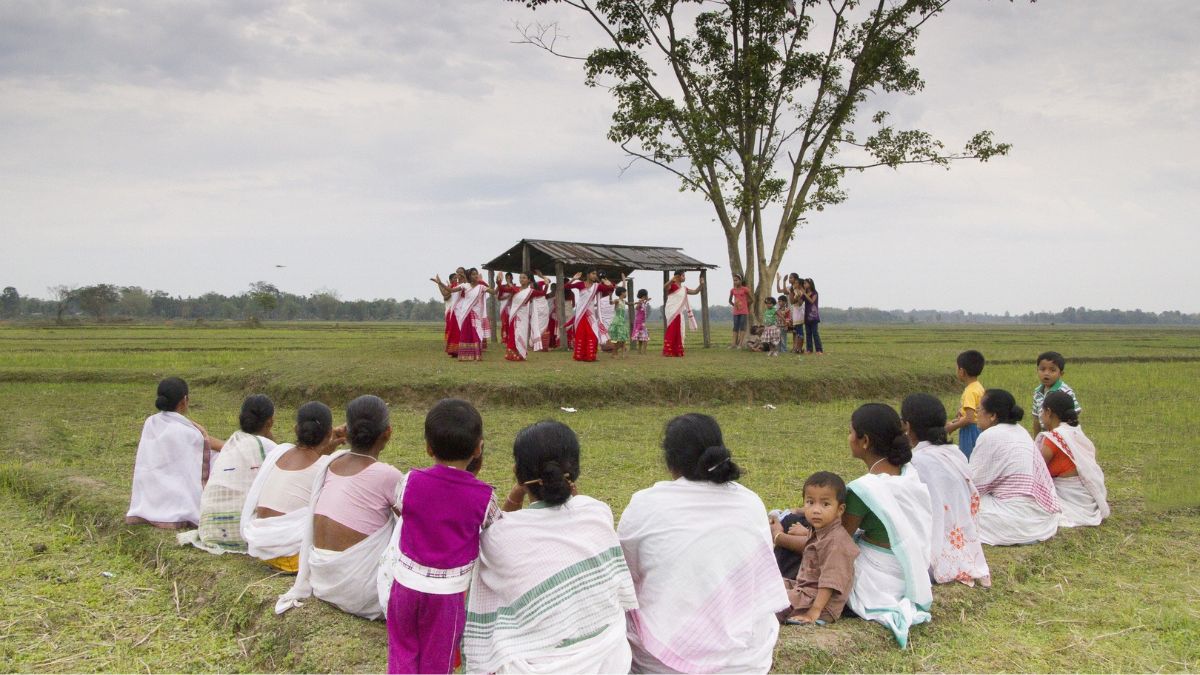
(1121, 597)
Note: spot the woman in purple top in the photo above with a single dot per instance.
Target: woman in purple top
(443, 509)
(812, 316)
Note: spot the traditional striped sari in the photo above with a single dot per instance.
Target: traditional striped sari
(232, 474)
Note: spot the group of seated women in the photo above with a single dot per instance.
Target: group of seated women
(688, 581)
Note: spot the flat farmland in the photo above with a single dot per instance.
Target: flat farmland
(1121, 597)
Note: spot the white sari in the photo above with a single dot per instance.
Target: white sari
(587, 304)
(540, 318)
(1083, 498)
(348, 579)
(677, 304)
(233, 472)
(521, 323)
(1017, 503)
(891, 586)
(559, 611)
(707, 584)
(168, 473)
(277, 536)
(472, 307)
(955, 551)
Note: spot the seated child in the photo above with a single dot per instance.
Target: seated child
(443, 509)
(970, 367)
(826, 573)
(770, 331)
(1050, 367)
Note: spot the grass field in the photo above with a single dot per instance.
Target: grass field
(1122, 597)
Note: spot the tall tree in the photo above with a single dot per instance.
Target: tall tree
(96, 300)
(10, 302)
(63, 297)
(265, 296)
(762, 106)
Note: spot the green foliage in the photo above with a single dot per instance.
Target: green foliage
(96, 300)
(10, 302)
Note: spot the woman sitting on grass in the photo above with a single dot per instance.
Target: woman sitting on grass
(277, 507)
(956, 553)
(1071, 460)
(888, 512)
(1017, 502)
(172, 464)
(354, 502)
(551, 588)
(699, 549)
(232, 473)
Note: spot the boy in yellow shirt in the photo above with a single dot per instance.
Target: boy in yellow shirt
(970, 366)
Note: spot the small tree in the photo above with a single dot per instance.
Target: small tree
(96, 300)
(10, 303)
(762, 106)
(325, 303)
(63, 296)
(265, 296)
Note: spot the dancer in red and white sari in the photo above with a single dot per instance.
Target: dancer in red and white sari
(677, 309)
(540, 319)
(505, 290)
(451, 296)
(521, 330)
(471, 314)
(590, 333)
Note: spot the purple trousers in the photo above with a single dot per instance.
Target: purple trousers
(424, 630)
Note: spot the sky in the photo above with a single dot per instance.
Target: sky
(366, 146)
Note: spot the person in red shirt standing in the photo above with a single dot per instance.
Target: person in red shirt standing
(739, 297)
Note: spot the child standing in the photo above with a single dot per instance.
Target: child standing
(443, 509)
(641, 309)
(970, 366)
(770, 332)
(783, 319)
(739, 297)
(1050, 366)
(618, 330)
(826, 574)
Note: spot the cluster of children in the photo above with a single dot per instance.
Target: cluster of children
(795, 313)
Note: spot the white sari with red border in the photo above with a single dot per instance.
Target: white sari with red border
(521, 325)
(587, 305)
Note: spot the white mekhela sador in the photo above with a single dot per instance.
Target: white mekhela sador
(229, 480)
(348, 579)
(677, 304)
(605, 310)
(1017, 500)
(891, 586)
(587, 305)
(955, 551)
(277, 536)
(521, 324)
(549, 593)
(169, 472)
(472, 306)
(1083, 498)
(706, 580)
(540, 317)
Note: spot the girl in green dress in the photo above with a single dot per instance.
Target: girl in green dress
(618, 330)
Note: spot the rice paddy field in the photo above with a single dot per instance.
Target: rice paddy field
(84, 592)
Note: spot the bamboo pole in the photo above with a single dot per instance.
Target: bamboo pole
(560, 305)
(704, 306)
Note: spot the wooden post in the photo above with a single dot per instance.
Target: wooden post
(704, 306)
(525, 259)
(666, 278)
(494, 309)
(560, 305)
(629, 304)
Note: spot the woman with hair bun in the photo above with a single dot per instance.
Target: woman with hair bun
(888, 513)
(956, 554)
(232, 473)
(1071, 460)
(1017, 500)
(699, 549)
(550, 589)
(172, 464)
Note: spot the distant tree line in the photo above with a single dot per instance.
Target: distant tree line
(264, 301)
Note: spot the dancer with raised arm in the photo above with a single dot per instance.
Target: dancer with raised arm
(590, 333)
(677, 309)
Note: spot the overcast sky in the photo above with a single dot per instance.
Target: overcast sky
(194, 146)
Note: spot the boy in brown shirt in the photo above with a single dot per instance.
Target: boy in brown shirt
(826, 574)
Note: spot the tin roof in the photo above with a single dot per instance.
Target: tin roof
(576, 256)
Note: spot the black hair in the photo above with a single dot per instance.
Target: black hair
(366, 421)
(769, 300)
(926, 416)
(620, 291)
(256, 410)
(1053, 357)
(679, 273)
(1002, 404)
(546, 459)
(694, 448)
(509, 275)
(830, 480)
(643, 293)
(171, 391)
(1061, 404)
(881, 425)
(783, 298)
(601, 274)
(795, 276)
(971, 361)
(812, 286)
(453, 429)
(314, 420)
(473, 271)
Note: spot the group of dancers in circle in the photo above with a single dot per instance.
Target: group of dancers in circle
(596, 309)
(697, 576)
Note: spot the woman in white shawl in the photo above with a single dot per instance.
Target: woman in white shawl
(470, 312)
(355, 500)
(955, 552)
(699, 549)
(888, 513)
(232, 474)
(1071, 460)
(172, 464)
(1017, 500)
(278, 505)
(550, 589)
(677, 310)
(521, 334)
